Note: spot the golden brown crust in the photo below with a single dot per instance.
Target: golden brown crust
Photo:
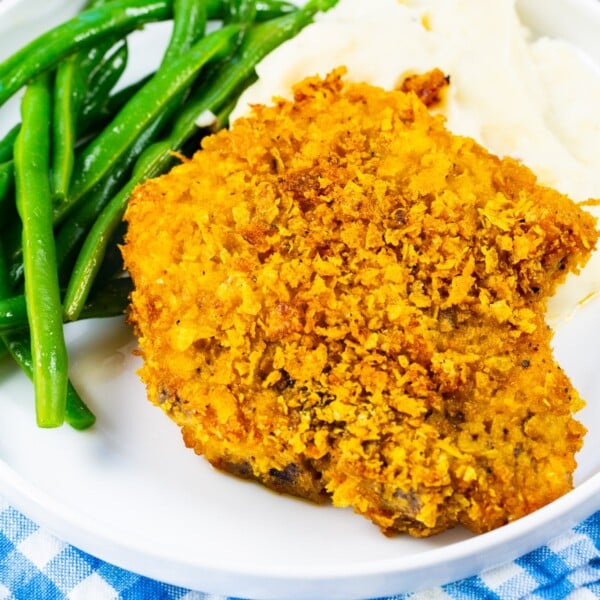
(340, 298)
(427, 86)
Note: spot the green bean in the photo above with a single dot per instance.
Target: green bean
(242, 12)
(13, 313)
(73, 231)
(168, 83)
(74, 84)
(87, 63)
(94, 248)
(13, 248)
(75, 227)
(34, 203)
(4, 291)
(266, 10)
(111, 300)
(271, 9)
(90, 60)
(116, 18)
(108, 300)
(95, 4)
(77, 414)
(104, 78)
(18, 345)
(7, 177)
(69, 86)
(83, 83)
(189, 25)
(5, 287)
(113, 265)
(82, 31)
(7, 143)
(259, 41)
(94, 119)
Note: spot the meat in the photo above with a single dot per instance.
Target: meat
(344, 301)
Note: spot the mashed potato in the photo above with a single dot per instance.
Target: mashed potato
(532, 99)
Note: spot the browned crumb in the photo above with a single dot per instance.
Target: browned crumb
(344, 301)
(428, 86)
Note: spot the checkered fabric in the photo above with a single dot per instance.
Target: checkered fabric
(36, 565)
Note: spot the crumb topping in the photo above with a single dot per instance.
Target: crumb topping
(340, 298)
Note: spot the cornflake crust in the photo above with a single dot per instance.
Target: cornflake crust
(344, 301)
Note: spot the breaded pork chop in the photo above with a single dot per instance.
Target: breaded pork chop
(344, 301)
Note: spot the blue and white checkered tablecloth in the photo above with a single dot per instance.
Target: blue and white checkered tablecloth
(36, 565)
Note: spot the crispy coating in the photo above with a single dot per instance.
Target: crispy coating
(428, 86)
(341, 299)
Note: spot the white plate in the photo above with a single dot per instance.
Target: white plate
(130, 493)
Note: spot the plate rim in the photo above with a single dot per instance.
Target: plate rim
(82, 532)
(251, 578)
